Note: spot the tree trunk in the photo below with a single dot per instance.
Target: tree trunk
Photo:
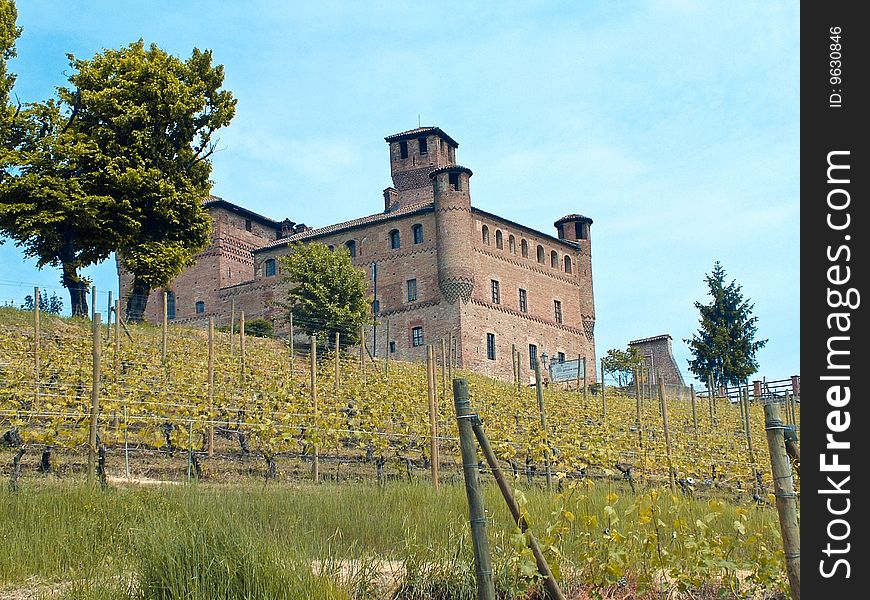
(45, 461)
(78, 290)
(138, 300)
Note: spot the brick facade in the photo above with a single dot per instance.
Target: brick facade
(660, 358)
(451, 252)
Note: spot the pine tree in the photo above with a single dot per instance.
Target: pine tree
(725, 344)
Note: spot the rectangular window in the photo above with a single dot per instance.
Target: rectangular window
(417, 336)
(392, 347)
(170, 305)
(524, 301)
(424, 147)
(557, 308)
(560, 357)
(533, 356)
(403, 149)
(248, 225)
(453, 180)
(412, 290)
(490, 346)
(376, 306)
(495, 292)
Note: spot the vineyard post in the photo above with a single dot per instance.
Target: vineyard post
(519, 371)
(638, 390)
(514, 362)
(242, 344)
(470, 470)
(315, 467)
(116, 356)
(712, 398)
(443, 369)
(126, 446)
(362, 349)
(93, 301)
(210, 386)
(585, 384)
(786, 499)
(603, 397)
(95, 399)
(36, 343)
(337, 365)
(580, 391)
(109, 317)
(232, 325)
(387, 349)
(694, 407)
(450, 358)
(664, 407)
(749, 435)
(539, 389)
(165, 326)
(433, 411)
(292, 349)
(553, 590)
(189, 448)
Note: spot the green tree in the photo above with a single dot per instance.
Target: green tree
(621, 363)
(326, 292)
(52, 305)
(725, 344)
(9, 32)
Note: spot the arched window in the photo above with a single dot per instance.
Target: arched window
(417, 232)
(486, 235)
(554, 259)
(270, 267)
(351, 247)
(540, 254)
(395, 240)
(568, 264)
(499, 240)
(524, 247)
(200, 307)
(512, 244)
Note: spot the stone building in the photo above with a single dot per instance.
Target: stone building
(660, 358)
(436, 266)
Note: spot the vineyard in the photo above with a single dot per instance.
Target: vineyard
(696, 493)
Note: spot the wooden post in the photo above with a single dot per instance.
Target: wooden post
(315, 468)
(126, 445)
(242, 344)
(748, 426)
(638, 390)
(786, 499)
(712, 397)
(387, 348)
(553, 590)
(337, 363)
(433, 412)
(470, 470)
(210, 386)
(109, 317)
(93, 301)
(165, 326)
(585, 385)
(539, 389)
(514, 363)
(603, 397)
(694, 408)
(116, 355)
(95, 399)
(292, 348)
(362, 348)
(443, 369)
(664, 407)
(450, 358)
(189, 448)
(580, 394)
(37, 342)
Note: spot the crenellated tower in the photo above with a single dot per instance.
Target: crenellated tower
(413, 155)
(454, 229)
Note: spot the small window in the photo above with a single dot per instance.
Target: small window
(392, 347)
(554, 259)
(395, 240)
(541, 254)
(417, 231)
(512, 244)
(424, 146)
(499, 240)
(524, 301)
(485, 234)
(453, 180)
(248, 225)
(403, 149)
(200, 307)
(557, 309)
(412, 290)
(351, 247)
(496, 297)
(533, 356)
(580, 231)
(568, 268)
(560, 356)
(270, 267)
(490, 346)
(170, 305)
(524, 247)
(376, 306)
(417, 336)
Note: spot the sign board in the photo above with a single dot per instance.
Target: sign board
(566, 371)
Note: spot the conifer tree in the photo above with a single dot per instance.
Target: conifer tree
(725, 343)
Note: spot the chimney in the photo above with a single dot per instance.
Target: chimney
(391, 199)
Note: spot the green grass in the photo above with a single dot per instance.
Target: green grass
(255, 542)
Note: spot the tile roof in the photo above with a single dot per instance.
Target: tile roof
(654, 338)
(417, 131)
(353, 223)
(573, 217)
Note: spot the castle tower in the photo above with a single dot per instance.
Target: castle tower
(454, 225)
(413, 155)
(577, 229)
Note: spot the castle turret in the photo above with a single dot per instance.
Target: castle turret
(576, 228)
(452, 195)
(413, 155)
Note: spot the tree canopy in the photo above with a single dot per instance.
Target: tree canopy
(621, 363)
(118, 162)
(725, 344)
(326, 292)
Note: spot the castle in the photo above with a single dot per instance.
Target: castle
(436, 266)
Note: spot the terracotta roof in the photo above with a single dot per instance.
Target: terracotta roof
(654, 338)
(450, 168)
(218, 201)
(368, 220)
(573, 217)
(412, 133)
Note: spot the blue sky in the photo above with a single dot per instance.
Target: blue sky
(673, 124)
